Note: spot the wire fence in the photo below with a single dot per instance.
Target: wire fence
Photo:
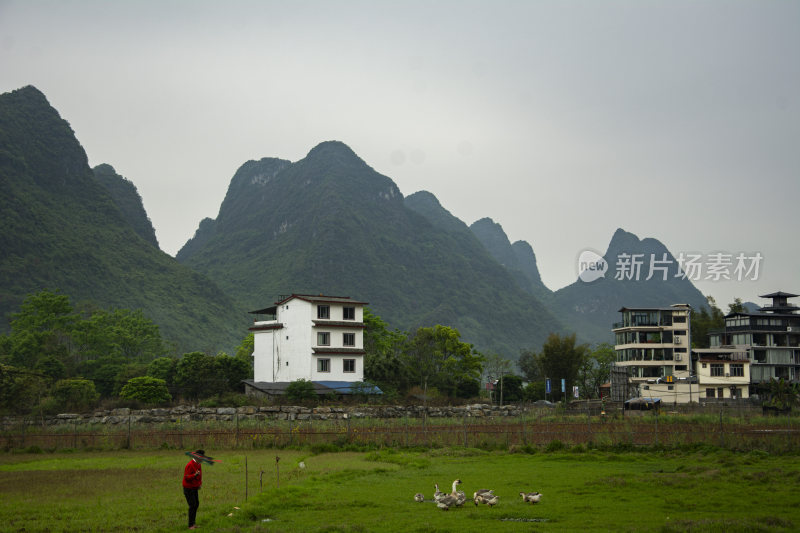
(779, 435)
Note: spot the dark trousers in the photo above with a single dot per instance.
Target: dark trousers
(194, 502)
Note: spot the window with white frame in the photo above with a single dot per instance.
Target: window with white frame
(349, 365)
(324, 311)
(323, 365)
(349, 339)
(348, 313)
(323, 338)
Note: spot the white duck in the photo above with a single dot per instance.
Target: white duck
(438, 495)
(531, 497)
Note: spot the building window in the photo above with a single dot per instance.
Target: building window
(349, 339)
(717, 370)
(323, 338)
(719, 392)
(710, 393)
(323, 365)
(323, 311)
(679, 319)
(737, 369)
(349, 313)
(349, 365)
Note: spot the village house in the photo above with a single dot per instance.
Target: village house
(770, 339)
(653, 348)
(317, 338)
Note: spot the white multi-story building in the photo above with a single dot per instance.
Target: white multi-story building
(653, 346)
(317, 338)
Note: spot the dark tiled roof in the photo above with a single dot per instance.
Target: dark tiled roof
(339, 324)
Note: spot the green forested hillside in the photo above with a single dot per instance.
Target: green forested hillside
(127, 200)
(331, 224)
(61, 230)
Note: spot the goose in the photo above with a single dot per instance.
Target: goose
(459, 495)
(479, 495)
(532, 497)
(491, 500)
(446, 502)
(438, 495)
(419, 497)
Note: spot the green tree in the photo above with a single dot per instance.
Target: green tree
(783, 395)
(244, 352)
(163, 368)
(437, 357)
(52, 367)
(737, 306)
(562, 359)
(300, 391)
(20, 390)
(197, 374)
(705, 320)
(233, 371)
(383, 361)
(530, 365)
(75, 394)
(41, 328)
(146, 389)
(595, 370)
(511, 388)
(121, 333)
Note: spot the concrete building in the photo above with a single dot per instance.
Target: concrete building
(653, 348)
(318, 338)
(770, 339)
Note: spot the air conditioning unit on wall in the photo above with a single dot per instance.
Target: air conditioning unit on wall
(677, 340)
(678, 357)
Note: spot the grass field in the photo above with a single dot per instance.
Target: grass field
(583, 490)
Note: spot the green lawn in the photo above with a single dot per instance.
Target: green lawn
(587, 491)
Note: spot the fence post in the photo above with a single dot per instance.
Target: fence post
(236, 445)
(466, 442)
(130, 443)
(245, 476)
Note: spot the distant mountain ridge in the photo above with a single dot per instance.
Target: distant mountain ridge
(593, 306)
(518, 258)
(330, 224)
(62, 230)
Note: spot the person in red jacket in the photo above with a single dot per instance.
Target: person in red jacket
(192, 481)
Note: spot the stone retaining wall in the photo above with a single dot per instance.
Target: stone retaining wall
(285, 412)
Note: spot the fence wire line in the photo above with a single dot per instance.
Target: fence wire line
(485, 434)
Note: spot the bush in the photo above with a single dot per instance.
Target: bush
(300, 391)
(75, 394)
(146, 389)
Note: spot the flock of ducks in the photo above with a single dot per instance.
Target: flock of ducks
(456, 498)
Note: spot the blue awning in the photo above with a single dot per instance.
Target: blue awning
(346, 387)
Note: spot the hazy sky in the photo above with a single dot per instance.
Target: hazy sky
(560, 120)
